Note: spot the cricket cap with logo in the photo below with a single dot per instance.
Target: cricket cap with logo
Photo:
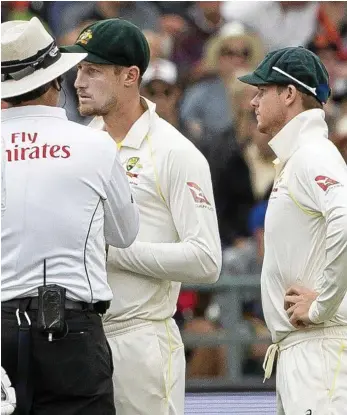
(292, 65)
(112, 42)
(30, 57)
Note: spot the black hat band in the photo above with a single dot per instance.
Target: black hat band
(19, 69)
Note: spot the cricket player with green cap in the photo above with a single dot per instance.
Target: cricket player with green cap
(178, 239)
(304, 281)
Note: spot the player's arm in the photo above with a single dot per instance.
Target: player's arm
(196, 257)
(325, 181)
(121, 212)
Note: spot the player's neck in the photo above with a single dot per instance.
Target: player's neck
(119, 121)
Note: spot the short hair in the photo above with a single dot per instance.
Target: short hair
(34, 94)
(29, 96)
(118, 69)
(309, 102)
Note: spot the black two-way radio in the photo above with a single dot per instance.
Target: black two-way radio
(51, 308)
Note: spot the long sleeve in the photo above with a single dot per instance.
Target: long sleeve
(185, 181)
(121, 212)
(325, 181)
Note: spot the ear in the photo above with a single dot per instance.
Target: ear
(132, 76)
(290, 95)
(56, 84)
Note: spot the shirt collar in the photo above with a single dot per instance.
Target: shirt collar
(138, 130)
(141, 127)
(33, 110)
(305, 126)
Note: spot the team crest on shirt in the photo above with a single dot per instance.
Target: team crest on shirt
(199, 196)
(132, 164)
(325, 182)
(84, 37)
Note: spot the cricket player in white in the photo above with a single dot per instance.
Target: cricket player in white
(304, 281)
(178, 239)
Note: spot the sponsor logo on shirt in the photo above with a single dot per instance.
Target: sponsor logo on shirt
(26, 146)
(276, 185)
(198, 195)
(325, 182)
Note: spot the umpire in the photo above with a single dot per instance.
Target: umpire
(67, 196)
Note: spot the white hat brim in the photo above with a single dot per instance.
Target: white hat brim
(12, 88)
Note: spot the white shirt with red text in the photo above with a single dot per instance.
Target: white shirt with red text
(67, 195)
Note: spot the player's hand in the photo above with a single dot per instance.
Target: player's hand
(297, 303)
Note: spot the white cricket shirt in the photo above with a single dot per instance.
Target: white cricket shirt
(306, 225)
(178, 240)
(64, 182)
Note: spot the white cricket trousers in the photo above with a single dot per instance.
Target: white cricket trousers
(311, 376)
(149, 366)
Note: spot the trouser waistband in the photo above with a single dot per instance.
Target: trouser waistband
(296, 337)
(333, 332)
(111, 326)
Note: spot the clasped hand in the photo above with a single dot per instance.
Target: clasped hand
(297, 302)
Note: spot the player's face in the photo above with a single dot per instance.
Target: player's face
(98, 88)
(269, 109)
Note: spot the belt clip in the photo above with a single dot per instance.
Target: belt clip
(23, 306)
(26, 316)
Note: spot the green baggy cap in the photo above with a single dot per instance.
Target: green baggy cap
(292, 65)
(113, 42)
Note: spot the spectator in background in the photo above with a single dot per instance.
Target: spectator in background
(144, 14)
(255, 149)
(206, 110)
(330, 44)
(278, 23)
(203, 21)
(204, 361)
(332, 27)
(232, 188)
(207, 115)
(159, 84)
(157, 44)
(339, 135)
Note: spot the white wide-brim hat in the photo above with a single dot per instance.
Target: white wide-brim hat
(161, 70)
(30, 57)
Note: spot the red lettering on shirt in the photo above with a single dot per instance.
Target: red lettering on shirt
(66, 152)
(24, 137)
(325, 182)
(37, 152)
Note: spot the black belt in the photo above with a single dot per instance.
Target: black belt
(34, 304)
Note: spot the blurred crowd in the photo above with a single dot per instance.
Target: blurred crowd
(198, 49)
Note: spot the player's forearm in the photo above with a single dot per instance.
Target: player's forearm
(334, 287)
(121, 229)
(183, 262)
